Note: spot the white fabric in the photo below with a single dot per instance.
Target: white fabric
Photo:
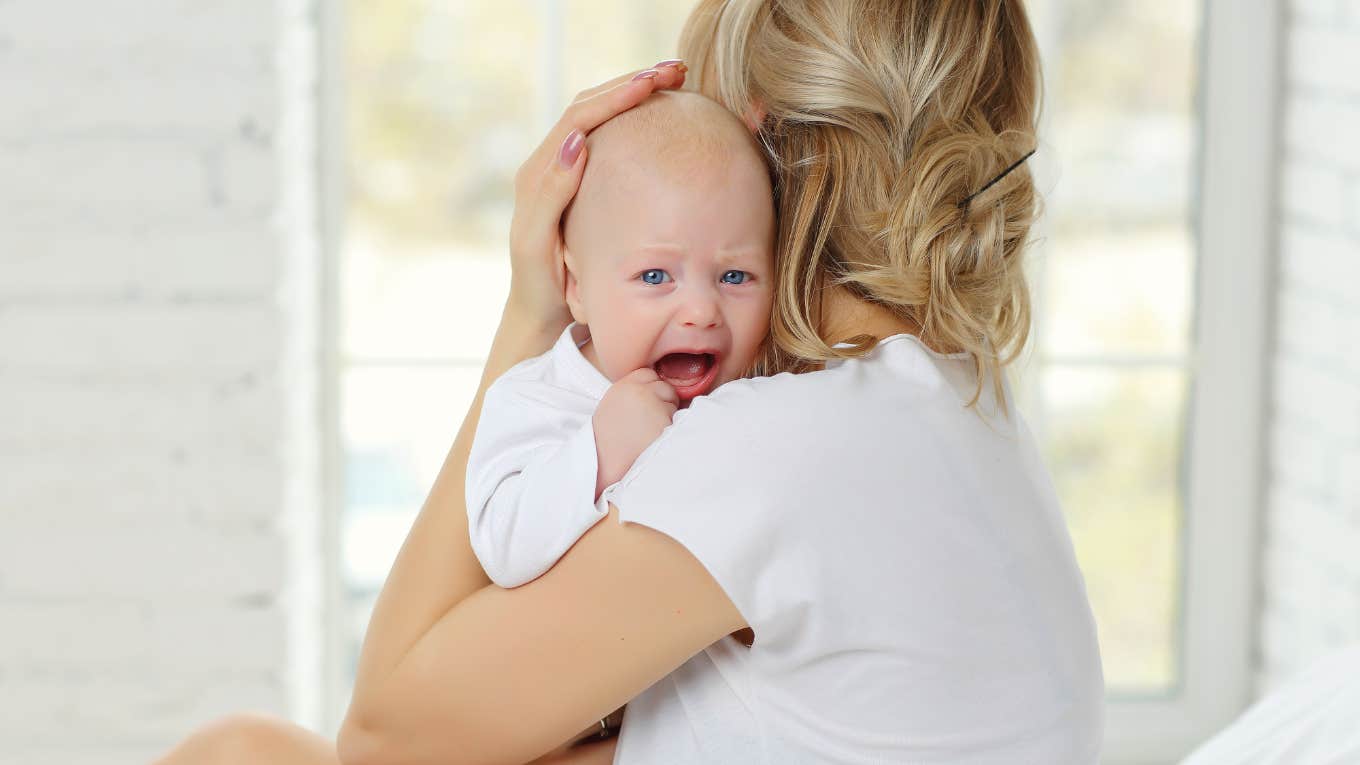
(531, 472)
(905, 567)
(1313, 718)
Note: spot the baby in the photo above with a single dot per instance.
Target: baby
(669, 249)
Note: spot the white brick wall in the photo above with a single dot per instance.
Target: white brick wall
(1311, 561)
(159, 543)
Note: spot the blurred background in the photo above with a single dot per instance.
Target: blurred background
(252, 255)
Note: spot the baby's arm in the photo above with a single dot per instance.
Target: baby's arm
(531, 479)
(540, 461)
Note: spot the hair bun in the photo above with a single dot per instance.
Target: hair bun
(963, 166)
(952, 261)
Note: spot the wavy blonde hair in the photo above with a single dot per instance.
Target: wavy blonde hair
(880, 118)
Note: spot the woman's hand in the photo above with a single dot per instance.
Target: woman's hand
(547, 181)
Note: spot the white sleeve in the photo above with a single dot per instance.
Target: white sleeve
(715, 481)
(530, 479)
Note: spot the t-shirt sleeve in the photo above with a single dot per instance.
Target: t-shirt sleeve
(530, 487)
(712, 481)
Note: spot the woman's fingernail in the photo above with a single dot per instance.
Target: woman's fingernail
(571, 148)
(646, 74)
(670, 62)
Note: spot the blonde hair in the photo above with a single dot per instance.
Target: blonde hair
(880, 118)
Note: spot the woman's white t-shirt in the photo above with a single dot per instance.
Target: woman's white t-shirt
(904, 565)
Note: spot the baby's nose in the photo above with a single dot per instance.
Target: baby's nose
(701, 311)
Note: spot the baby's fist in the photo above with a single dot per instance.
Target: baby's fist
(633, 412)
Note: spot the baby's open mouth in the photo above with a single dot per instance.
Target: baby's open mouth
(691, 374)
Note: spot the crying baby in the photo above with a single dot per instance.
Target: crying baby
(669, 245)
(669, 250)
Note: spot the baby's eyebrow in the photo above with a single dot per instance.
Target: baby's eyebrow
(745, 256)
(661, 247)
(651, 252)
(740, 255)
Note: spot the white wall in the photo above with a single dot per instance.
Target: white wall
(1311, 561)
(157, 372)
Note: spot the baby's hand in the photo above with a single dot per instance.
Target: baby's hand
(628, 419)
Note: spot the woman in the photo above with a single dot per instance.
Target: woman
(878, 528)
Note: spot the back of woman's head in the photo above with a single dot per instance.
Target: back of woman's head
(881, 117)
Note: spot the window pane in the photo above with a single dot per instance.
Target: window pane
(396, 427)
(1113, 441)
(1123, 125)
(441, 103)
(1115, 273)
(406, 303)
(605, 38)
(1122, 106)
(1119, 292)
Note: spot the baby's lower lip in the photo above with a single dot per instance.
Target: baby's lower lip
(701, 386)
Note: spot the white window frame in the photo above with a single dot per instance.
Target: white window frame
(1235, 229)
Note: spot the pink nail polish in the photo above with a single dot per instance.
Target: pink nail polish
(571, 148)
(669, 62)
(646, 74)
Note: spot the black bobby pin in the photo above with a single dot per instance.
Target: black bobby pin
(964, 202)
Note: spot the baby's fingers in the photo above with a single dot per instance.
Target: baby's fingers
(640, 376)
(665, 392)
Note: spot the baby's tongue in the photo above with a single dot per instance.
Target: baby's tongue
(681, 369)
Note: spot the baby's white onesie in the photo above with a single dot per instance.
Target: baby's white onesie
(531, 473)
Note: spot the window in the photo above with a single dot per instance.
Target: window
(1143, 379)
(442, 99)
(1113, 266)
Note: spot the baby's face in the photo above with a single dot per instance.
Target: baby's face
(675, 272)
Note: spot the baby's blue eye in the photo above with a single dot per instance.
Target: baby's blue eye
(741, 277)
(655, 276)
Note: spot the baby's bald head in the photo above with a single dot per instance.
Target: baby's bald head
(671, 137)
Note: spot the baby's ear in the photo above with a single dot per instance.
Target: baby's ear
(574, 304)
(754, 116)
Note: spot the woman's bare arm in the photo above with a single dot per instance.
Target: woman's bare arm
(506, 676)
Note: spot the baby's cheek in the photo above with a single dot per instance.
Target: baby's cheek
(626, 355)
(756, 325)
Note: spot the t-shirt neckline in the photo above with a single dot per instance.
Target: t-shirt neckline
(914, 338)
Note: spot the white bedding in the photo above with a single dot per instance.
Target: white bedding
(1313, 719)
